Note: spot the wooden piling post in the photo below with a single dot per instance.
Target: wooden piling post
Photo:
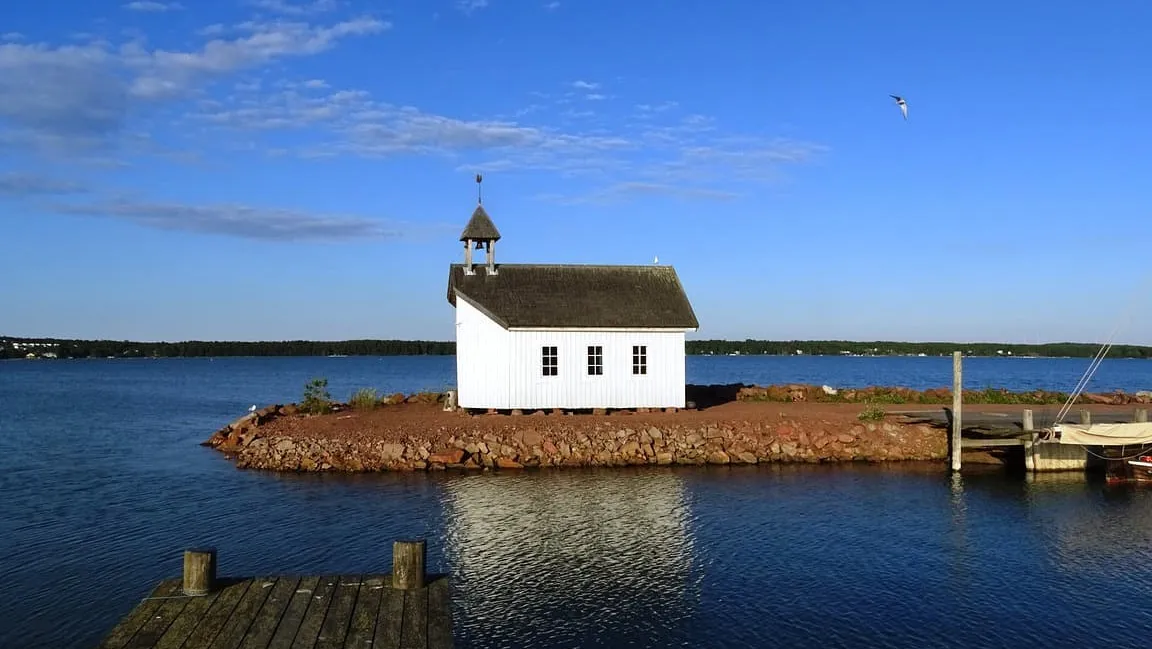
(1029, 441)
(957, 404)
(199, 571)
(1085, 417)
(408, 558)
(1141, 416)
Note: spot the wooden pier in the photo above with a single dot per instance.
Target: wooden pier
(404, 609)
(994, 427)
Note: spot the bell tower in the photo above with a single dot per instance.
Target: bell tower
(480, 234)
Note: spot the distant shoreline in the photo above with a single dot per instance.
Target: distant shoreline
(18, 347)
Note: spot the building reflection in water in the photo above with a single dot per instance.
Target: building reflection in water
(568, 557)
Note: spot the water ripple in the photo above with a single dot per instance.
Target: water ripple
(100, 499)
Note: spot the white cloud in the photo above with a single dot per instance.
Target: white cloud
(470, 6)
(142, 5)
(165, 73)
(12, 37)
(20, 185)
(552, 6)
(686, 155)
(59, 98)
(585, 85)
(625, 191)
(245, 221)
(69, 95)
(290, 8)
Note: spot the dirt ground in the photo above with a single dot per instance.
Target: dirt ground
(404, 420)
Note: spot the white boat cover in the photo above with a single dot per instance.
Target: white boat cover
(1132, 434)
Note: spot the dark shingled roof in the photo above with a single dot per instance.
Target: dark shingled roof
(480, 227)
(545, 295)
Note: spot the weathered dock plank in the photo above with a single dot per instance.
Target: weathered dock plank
(364, 616)
(266, 620)
(293, 614)
(337, 612)
(232, 632)
(122, 634)
(440, 614)
(398, 609)
(309, 629)
(335, 627)
(414, 634)
(390, 621)
(185, 623)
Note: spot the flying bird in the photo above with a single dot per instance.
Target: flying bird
(902, 104)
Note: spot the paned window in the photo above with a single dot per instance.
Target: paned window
(639, 359)
(550, 362)
(595, 360)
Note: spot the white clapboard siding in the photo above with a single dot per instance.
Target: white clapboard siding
(661, 387)
(497, 368)
(481, 359)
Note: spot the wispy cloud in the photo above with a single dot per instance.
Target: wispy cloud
(12, 37)
(626, 191)
(471, 6)
(290, 8)
(147, 5)
(296, 8)
(687, 152)
(552, 6)
(584, 85)
(235, 220)
(78, 97)
(19, 185)
(166, 73)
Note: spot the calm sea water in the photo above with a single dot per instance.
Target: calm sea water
(103, 484)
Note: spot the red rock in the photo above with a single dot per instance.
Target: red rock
(508, 463)
(718, 457)
(550, 449)
(455, 456)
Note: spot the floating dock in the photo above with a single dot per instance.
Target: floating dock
(404, 609)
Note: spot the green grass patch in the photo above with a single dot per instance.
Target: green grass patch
(317, 400)
(364, 399)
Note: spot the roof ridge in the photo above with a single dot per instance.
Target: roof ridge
(480, 226)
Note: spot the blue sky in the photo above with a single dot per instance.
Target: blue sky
(274, 169)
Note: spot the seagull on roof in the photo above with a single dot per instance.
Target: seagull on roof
(902, 104)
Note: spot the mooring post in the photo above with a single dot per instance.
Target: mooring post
(1141, 416)
(957, 404)
(1029, 440)
(199, 571)
(408, 558)
(1085, 418)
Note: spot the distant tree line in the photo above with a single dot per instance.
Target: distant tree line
(64, 348)
(200, 348)
(890, 348)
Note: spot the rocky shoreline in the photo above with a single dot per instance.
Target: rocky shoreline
(575, 444)
(744, 425)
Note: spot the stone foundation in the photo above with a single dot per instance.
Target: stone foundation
(575, 442)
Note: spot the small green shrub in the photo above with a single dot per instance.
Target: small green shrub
(871, 413)
(317, 400)
(364, 399)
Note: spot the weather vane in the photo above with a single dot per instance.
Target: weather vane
(479, 195)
